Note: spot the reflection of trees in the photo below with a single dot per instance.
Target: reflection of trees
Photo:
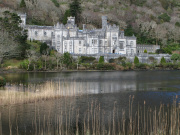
(17, 78)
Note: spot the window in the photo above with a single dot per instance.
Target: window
(79, 50)
(79, 42)
(94, 41)
(45, 34)
(132, 51)
(36, 33)
(53, 43)
(65, 43)
(70, 48)
(58, 36)
(65, 46)
(100, 42)
(131, 43)
(106, 43)
(95, 50)
(121, 45)
(52, 35)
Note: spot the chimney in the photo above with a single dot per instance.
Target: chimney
(84, 27)
(104, 22)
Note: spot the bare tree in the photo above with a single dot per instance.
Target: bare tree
(58, 59)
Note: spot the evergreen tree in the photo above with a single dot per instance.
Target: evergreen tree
(10, 23)
(22, 4)
(136, 60)
(101, 59)
(66, 15)
(43, 48)
(175, 57)
(145, 51)
(163, 61)
(67, 59)
(75, 9)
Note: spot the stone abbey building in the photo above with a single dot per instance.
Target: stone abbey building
(69, 38)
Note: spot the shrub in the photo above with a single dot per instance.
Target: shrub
(85, 59)
(105, 66)
(145, 51)
(136, 60)
(2, 81)
(73, 66)
(39, 64)
(163, 60)
(158, 51)
(152, 59)
(86, 65)
(101, 59)
(55, 3)
(165, 17)
(129, 65)
(24, 64)
(67, 59)
(22, 4)
(120, 60)
(167, 50)
(170, 65)
(175, 57)
(43, 48)
(111, 60)
(177, 24)
(141, 66)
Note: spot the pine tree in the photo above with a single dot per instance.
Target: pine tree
(136, 60)
(101, 59)
(163, 61)
(66, 15)
(145, 51)
(22, 4)
(75, 9)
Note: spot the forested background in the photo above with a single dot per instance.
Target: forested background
(152, 21)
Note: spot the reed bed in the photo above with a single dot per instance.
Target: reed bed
(32, 93)
(94, 120)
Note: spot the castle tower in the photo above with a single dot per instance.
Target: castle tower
(104, 22)
(71, 20)
(23, 19)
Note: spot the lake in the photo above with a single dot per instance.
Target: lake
(102, 98)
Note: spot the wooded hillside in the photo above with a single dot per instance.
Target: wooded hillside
(152, 21)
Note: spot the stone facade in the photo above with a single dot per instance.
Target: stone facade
(150, 48)
(69, 38)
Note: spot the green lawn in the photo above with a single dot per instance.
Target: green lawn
(12, 63)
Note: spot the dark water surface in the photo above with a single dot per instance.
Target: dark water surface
(105, 89)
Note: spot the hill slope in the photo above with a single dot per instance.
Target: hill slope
(152, 21)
